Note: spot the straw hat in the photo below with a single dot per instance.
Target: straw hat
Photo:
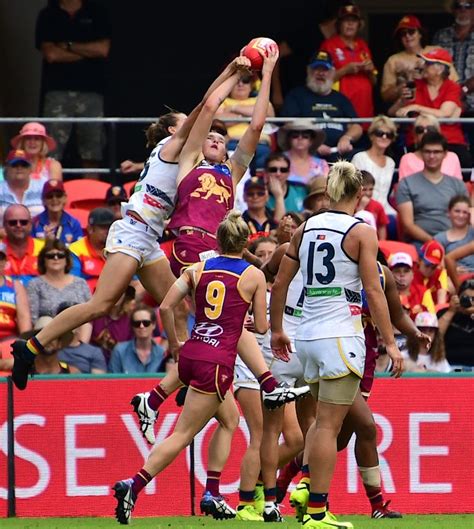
(301, 125)
(34, 128)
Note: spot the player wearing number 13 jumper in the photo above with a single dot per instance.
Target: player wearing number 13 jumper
(337, 255)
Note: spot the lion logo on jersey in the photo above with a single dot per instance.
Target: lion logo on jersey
(209, 187)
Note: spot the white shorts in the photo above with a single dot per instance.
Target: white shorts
(136, 239)
(243, 377)
(330, 358)
(289, 372)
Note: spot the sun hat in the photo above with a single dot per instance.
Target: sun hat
(33, 128)
(300, 125)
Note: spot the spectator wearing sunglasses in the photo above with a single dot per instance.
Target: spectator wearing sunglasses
(55, 284)
(54, 222)
(277, 171)
(382, 132)
(22, 249)
(241, 103)
(258, 216)
(299, 140)
(18, 186)
(412, 162)
(458, 39)
(141, 354)
(403, 67)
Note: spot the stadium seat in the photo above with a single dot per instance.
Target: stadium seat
(391, 247)
(82, 215)
(85, 193)
(129, 187)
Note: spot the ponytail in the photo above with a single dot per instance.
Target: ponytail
(160, 129)
(344, 180)
(233, 233)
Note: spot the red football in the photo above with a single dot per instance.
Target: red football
(255, 49)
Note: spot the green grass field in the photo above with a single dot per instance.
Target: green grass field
(456, 521)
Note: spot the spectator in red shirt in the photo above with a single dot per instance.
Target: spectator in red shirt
(413, 297)
(374, 206)
(429, 272)
(436, 94)
(21, 248)
(352, 59)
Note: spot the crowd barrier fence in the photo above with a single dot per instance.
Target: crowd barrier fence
(66, 439)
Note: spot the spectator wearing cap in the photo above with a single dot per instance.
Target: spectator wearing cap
(258, 216)
(22, 249)
(18, 187)
(317, 198)
(299, 140)
(88, 256)
(430, 273)
(402, 68)
(54, 223)
(427, 357)
(436, 94)
(423, 198)
(240, 104)
(114, 197)
(14, 309)
(277, 170)
(34, 140)
(458, 39)
(317, 99)
(351, 56)
(456, 324)
(414, 299)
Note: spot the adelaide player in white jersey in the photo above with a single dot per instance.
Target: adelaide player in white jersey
(337, 255)
(132, 245)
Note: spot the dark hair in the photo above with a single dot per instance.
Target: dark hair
(367, 178)
(436, 350)
(160, 129)
(423, 41)
(467, 284)
(434, 137)
(381, 258)
(219, 127)
(276, 156)
(54, 245)
(146, 308)
(458, 198)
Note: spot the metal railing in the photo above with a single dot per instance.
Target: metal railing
(111, 124)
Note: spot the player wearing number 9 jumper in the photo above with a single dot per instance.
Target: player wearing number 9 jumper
(337, 255)
(223, 288)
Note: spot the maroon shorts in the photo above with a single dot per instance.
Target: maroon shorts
(367, 381)
(187, 247)
(205, 377)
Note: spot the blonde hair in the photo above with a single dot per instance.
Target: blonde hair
(381, 120)
(432, 120)
(44, 149)
(233, 232)
(344, 180)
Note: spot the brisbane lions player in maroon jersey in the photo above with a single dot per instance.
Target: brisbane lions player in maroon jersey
(223, 288)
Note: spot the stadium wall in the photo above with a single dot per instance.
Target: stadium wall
(76, 435)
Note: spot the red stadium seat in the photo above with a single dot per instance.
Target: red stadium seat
(82, 215)
(5, 353)
(85, 193)
(391, 247)
(129, 187)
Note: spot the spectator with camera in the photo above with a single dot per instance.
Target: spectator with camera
(402, 68)
(456, 324)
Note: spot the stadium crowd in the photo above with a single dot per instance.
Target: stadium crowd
(411, 185)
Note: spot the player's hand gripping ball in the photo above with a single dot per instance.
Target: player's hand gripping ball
(255, 51)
